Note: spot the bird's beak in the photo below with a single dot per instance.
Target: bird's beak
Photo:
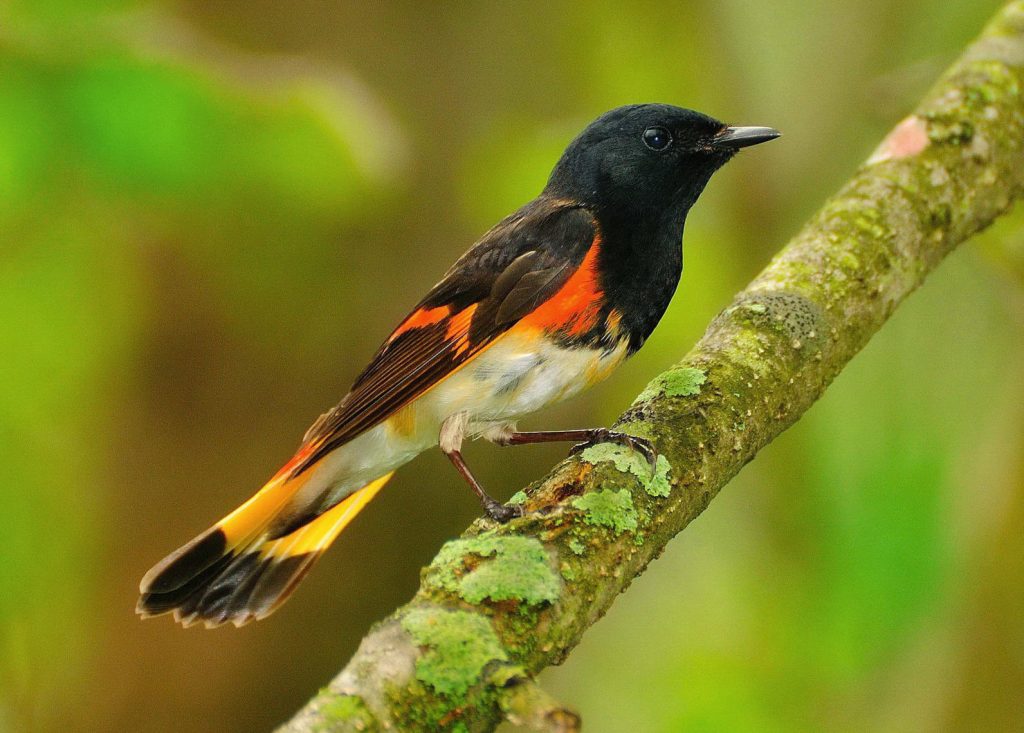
(742, 137)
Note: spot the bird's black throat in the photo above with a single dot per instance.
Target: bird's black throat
(640, 261)
(641, 252)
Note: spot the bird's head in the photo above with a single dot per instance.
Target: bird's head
(646, 158)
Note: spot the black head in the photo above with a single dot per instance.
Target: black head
(647, 158)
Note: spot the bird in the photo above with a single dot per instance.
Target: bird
(546, 303)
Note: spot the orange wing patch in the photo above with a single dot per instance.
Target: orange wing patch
(419, 319)
(574, 309)
(458, 329)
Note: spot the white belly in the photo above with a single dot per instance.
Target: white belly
(515, 376)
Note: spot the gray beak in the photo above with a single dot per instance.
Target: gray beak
(742, 137)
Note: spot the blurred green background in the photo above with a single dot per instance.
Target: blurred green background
(211, 213)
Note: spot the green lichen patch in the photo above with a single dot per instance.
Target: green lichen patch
(509, 569)
(680, 382)
(348, 710)
(577, 547)
(517, 498)
(608, 508)
(459, 644)
(660, 486)
(625, 460)
(953, 117)
(629, 461)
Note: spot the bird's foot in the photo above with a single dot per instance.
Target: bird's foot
(502, 513)
(606, 435)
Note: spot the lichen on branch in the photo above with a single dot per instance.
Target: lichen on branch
(501, 603)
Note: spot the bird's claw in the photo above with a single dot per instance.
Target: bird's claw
(633, 442)
(502, 513)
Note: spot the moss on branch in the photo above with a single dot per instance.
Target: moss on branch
(501, 603)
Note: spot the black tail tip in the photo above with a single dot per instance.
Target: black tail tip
(234, 589)
(186, 563)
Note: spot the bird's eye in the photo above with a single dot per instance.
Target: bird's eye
(657, 138)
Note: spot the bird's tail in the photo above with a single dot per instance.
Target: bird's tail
(238, 570)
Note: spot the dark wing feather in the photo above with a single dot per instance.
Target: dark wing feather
(514, 268)
(529, 290)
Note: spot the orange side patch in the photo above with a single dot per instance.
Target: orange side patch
(575, 307)
(612, 321)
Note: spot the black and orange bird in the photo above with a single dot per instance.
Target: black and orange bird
(548, 302)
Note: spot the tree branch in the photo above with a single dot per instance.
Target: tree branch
(500, 603)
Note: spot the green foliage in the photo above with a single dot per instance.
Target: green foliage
(147, 124)
(114, 162)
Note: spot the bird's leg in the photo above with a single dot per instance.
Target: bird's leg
(452, 432)
(586, 437)
(495, 510)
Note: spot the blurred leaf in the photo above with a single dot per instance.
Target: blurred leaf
(66, 318)
(26, 138)
(61, 12)
(513, 172)
(146, 125)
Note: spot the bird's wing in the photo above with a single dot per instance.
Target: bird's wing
(519, 270)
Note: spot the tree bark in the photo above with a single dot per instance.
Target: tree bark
(500, 603)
